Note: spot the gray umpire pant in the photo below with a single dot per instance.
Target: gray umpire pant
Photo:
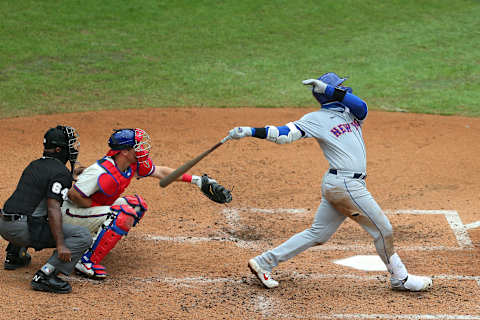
(76, 238)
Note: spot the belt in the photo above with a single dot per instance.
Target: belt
(10, 217)
(348, 174)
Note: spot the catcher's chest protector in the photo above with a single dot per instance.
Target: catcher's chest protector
(112, 183)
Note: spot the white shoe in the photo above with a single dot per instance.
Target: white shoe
(90, 270)
(412, 283)
(262, 275)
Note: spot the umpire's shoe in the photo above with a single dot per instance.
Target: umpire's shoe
(15, 260)
(50, 283)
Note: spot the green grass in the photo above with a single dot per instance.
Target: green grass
(402, 55)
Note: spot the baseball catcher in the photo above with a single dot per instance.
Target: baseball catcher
(96, 202)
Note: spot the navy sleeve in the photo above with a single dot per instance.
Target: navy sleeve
(356, 105)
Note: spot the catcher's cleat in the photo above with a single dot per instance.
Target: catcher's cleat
(262, 275)
(91, 270)
(50, 283)
(412, 283)
(15, 260)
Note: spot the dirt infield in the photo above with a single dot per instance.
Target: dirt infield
(187, 259)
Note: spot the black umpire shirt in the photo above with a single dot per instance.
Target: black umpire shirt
(42, 178)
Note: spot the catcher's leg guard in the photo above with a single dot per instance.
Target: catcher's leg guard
(121, 220)
(138, 204)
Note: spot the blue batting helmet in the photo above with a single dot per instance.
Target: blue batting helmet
(332, 79)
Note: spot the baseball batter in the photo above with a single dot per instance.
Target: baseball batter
(95, 200)
(337, 127)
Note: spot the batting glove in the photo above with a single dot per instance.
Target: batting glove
(240, 132)
(318, 86)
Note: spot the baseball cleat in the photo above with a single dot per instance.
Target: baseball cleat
(50, 283)
(17, 260)
(412, 283)
(262, 275)
(91, 270)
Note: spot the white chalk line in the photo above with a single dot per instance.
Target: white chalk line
(259, 244)
(473, 225)
(292, 275)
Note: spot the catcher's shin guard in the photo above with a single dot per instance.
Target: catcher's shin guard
(122, 219)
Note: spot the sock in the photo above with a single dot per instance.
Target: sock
(396, 268)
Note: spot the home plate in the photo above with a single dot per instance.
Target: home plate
(366, 263)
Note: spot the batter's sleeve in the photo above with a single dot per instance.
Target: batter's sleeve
(312, 124)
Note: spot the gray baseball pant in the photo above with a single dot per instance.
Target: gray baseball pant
(76, 238)
(341, 198)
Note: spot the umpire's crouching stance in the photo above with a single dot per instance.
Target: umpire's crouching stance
(31, 217)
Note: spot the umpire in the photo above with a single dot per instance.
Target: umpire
(31, 217)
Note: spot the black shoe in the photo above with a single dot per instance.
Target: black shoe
(51, 283)
(18, 259)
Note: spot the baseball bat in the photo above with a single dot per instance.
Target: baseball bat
(189, 164)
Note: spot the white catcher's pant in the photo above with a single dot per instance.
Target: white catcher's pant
(92, 218)
(341, 198)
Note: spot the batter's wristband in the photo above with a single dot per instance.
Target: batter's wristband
(339, 94)
(260, 133)
(186, 178)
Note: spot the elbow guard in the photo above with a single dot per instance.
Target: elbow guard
(286, 134)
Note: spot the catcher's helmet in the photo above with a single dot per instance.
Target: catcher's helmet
(128, 138)
(332, 79)
(122, 139)
(65, 137)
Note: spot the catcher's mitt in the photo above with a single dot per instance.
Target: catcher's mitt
(215, 191)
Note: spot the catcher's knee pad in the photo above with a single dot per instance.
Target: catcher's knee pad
(122, 219)
(137, 203)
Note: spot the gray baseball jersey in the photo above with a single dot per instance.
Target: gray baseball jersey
(339, 134)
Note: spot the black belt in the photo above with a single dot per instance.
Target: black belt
(10, 217)
(354, 175)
